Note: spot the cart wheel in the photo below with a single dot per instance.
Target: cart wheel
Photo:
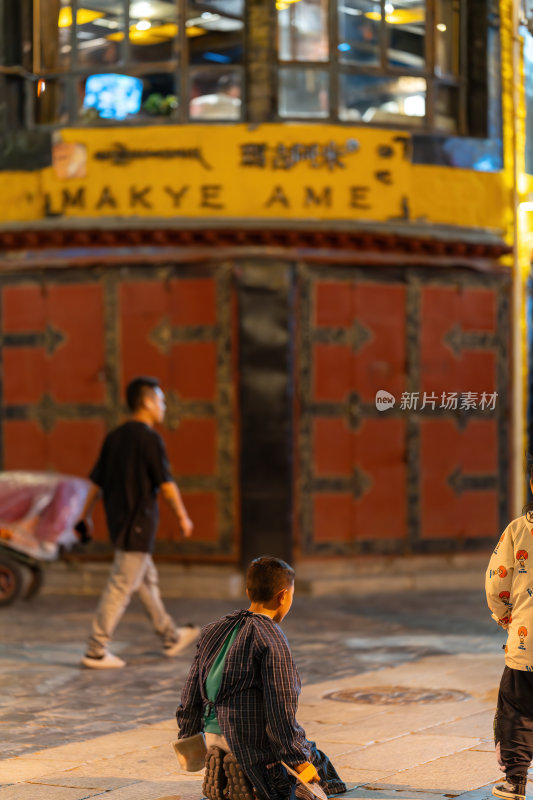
(36, 581)
(11, 581)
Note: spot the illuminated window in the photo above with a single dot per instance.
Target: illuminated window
(394, 62)
(431, 65)
(104, 61)
(528, 86)
(215, 87)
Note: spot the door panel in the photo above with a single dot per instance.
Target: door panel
(417, 476)
(72, 342)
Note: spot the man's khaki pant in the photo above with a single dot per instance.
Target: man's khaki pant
(131, 572)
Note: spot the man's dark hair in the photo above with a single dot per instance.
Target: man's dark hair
(137, 389)
(266, 576)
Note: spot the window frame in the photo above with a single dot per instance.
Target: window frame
(125, 65)
(335, 69)
(28, 76)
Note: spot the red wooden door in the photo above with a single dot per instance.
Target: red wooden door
(72, 342)
(420, 474)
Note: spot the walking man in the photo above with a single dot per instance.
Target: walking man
(131, 468)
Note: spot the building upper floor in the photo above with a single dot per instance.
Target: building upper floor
(431, 66)
(302, 109)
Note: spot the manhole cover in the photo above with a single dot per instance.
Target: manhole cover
(396, 695)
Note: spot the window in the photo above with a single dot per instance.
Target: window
(101, 61)
(528, 86)
(395, 62)
(401, 63)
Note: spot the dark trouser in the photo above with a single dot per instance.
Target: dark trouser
(272, 782)
(513, 723)
(282, 785)
(330, 781)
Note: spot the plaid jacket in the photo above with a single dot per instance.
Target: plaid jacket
(257, 701)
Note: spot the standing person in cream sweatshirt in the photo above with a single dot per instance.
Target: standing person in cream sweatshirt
(509, 588)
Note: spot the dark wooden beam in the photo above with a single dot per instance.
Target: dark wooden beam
(260, 59)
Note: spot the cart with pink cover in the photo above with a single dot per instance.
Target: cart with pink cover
(38, 511)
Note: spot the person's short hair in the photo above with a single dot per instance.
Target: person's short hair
(137, 389)
(266, 576)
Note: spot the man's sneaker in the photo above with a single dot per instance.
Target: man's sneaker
(511, 789)
(107, 661)
(187, 635)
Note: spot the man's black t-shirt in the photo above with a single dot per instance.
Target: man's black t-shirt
(130, 468)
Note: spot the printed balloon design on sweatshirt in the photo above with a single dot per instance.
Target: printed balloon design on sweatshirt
(499, 571)
(505, 597)
(522, 633)
(522, 557)
(502, 537)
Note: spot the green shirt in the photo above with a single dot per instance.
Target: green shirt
(213, 681)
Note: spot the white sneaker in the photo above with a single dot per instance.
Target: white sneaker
(186, 635)
(107, 661)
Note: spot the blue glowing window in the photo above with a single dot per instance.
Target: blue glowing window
(113, 96)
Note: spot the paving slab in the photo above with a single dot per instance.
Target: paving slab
(155, 790)
(153, 763)
(484, 793)
(322, 711)
(486, 745)
(389, 792)
(334, 749)
(353, 776)
(97, 783)
(391, 724)
(113, 744)
(403, 752)
(35, 791)
(478, 724)
(457, 772)
(28, 768)
(187, 778)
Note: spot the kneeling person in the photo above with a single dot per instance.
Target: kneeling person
(242, 691)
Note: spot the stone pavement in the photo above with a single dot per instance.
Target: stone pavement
(398, 690)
